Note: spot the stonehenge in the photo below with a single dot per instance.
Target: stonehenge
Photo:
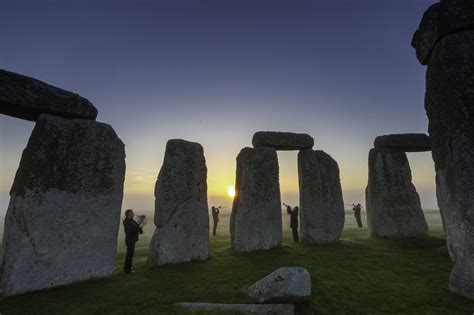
(407, 142)
(393, 205)
(256, 222)
(181, 213)
(27, 98)
(62, 221)
(321, 203)
(444, 42)
(282, 140)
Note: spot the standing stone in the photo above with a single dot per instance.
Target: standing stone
(282, 140)
(393, 205)
(27, 98)
(181, 214)
(63, 218)
(322, 206)
(449, 103)
(256, 223)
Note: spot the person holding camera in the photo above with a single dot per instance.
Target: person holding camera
(132, 229)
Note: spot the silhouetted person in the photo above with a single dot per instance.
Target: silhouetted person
(293, 221)
(215, 218)
(357, 209)
(132, 229)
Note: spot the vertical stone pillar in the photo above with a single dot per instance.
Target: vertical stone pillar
(322, 206)
(181, 212)
(256, 222)
(63, 218)
(445, 42)
(393, 205)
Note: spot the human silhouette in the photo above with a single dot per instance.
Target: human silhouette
(132, 229)
(357, 208)
(215, 218)
(293, 221)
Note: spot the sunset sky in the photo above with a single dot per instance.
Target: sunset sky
(217, 71)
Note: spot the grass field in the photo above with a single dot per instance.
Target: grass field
(357, 275)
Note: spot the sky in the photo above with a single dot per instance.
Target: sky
(217, 71)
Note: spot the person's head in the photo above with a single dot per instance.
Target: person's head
(358, 205)
(297, 209)
(213, 208)
(129, 213)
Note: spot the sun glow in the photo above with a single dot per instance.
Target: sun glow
(231, 191)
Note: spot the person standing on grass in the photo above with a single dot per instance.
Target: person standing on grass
(357, 209)
(293, 221)
(132, 229)
(215, 218)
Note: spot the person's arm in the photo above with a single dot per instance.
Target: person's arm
(137, 228)
(288, 209)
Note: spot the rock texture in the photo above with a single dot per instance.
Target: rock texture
(64, 213)
(257, 309)
(393, 205)
(181, 212)
(282, 140)
(442, 19)
(407, 142)
(27, 98)
(322, 206)
(287, 284)
(256, 222)
(449, 103)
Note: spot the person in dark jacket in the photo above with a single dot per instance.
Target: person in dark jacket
(357, 209)
(132, 229)
(293, 221)
(215, 218)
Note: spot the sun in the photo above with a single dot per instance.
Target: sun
(231, 191)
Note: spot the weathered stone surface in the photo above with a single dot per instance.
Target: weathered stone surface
(27, 98)
(441, 19)
(282, 140)
(287, 284)
(257, 309)
(255, 222)
(322, 206)
(449, 104)
(181, 214)
(64, 213)
(393, 205)
(407, 142)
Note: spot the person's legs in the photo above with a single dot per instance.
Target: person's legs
(214, 229)
(129, 257)
(295, 235)
(359, 221)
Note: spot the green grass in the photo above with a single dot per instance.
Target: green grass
(357, 275)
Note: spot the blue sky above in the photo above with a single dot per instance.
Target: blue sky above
(217, 71)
